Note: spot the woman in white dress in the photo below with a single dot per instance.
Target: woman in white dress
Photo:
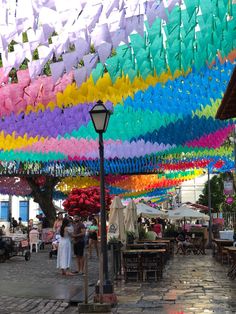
(64, 254)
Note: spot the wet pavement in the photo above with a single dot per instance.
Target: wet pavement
(37, 286)
(190, 284)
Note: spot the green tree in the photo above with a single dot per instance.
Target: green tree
(43, 195)
(218, 198)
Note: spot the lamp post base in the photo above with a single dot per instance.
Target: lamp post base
(108, 298)
(107, 295)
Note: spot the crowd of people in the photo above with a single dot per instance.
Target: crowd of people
(68, 231)
(156, 225)
(68, 236)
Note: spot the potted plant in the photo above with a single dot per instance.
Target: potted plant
(130, 237)
(142, 233)
(113, 241)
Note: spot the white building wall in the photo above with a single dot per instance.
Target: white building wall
(190, 190)
(15, 208)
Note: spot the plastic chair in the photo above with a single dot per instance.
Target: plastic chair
(34, 240)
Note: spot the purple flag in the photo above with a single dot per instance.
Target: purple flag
(104, 51)
(70, 59)
(172, 4)
(110, 5)
(82, 47)
(34, 68)
(47, 30)
(90, 62)
(161, 11)
(57, 70)
(135, 23)
(118, 37)
(80, 75)
(100, 34)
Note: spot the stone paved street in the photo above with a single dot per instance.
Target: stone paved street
(191, 284)
(37, 286)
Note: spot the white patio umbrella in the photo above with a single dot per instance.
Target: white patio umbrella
(149, 211)
(116, 226)
(185, 212)
(131, 218)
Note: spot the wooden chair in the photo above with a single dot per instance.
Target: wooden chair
(224, 256)
(198, 246)
(131, 266)
(152, 266)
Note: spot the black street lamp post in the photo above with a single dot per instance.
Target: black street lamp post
(209, 208)
(100, 116)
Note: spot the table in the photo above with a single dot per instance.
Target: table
(169, 242)
(155, 241)
(143, 264)
(145, 251)
(147, 246)
(220, 244)
(18, 236)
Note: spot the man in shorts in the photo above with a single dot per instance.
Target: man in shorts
(79, 243)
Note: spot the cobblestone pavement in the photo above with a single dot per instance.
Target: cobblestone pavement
(22, 281)
(191, 284)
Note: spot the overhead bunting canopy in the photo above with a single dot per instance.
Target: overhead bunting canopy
(161, 66)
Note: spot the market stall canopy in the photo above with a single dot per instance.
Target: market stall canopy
(185, 212)
(131, 218)
(201, 207)
(148, 211)
(116, 226)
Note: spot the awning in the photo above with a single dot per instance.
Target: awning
(227, 107)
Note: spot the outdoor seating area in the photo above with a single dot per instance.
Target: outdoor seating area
(232, 261)
(195, 245)
(219, 249)
(224, 252)
(145, 260)
(143, 264)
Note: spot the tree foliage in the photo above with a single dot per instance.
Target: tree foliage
(42, 193)
(218, 198)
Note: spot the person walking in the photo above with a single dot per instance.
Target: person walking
(57, 224)
(79, 243)
(64, 254)
(93, 237)
(157, 227)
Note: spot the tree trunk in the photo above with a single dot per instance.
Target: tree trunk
(43, 195)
